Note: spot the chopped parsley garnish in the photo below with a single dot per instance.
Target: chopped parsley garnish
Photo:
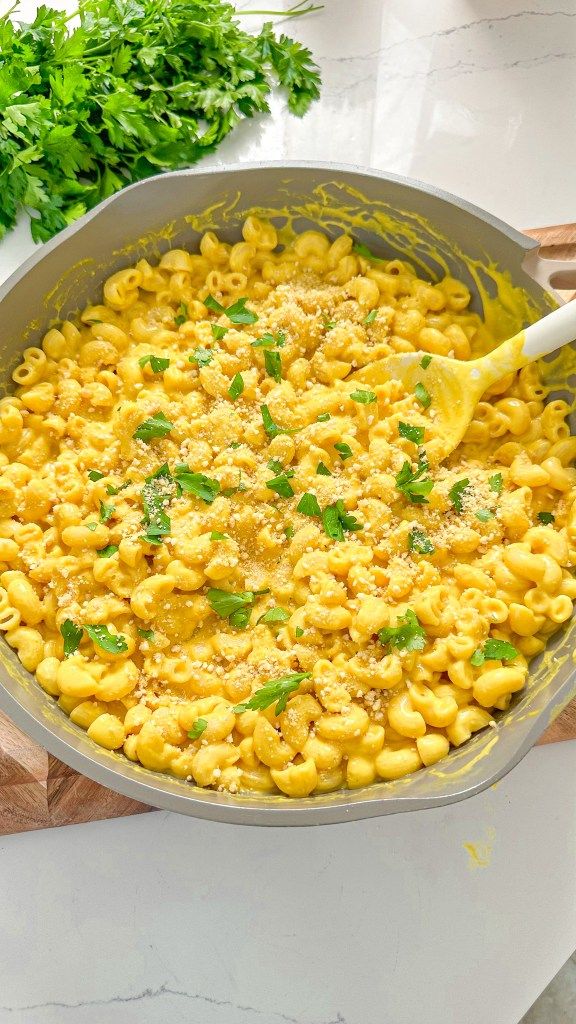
(336, 520)
(274, 615)
(157, 364)
(197, 729)
(270, 341)
(201, 356)
(281, 484)
(362, 250)
(106, 511)
(411, 433)
(108, 551)
(216, 535)
(329, 325)
(289, 532)
(414, 485)
(546, 517)
(496, 483)
(419, 541)
(227, 492)
(370, 318)
(484, 515)
(181, 316)
(236, 313)
(146, 634)
(218, 332)
(91, 526)
(234, 607)
(275, 466)
(113, 643)
(299, 632)
(425, 362)
(322, 470)
(344, 450)
(408, 635)
(422, 395)
(235, 444)
(308, 505)
(456, 493)
(323, 417)
(493, 650)
(95, 474)
(275, 691)
(110, 489)
(236, 387)
(273, 365)
(197, 484)
(72, 635)
(156, 426)
(363, 397)
(271, 428)
(159, 488)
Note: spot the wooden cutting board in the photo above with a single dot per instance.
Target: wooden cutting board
(38, 791)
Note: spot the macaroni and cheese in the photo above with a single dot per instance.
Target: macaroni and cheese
(225, 559)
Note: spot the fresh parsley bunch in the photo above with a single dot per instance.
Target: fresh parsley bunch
(125, 89)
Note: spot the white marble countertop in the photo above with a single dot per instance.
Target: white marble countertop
(163, 918)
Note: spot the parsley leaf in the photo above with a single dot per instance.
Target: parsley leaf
(336, 520)
(181, 317)
(218, 332)
(236, 387)
(72, 635)
(281, 484)
(344, 450)
(484, 515)
(546, 517)
(110, 489)
(322, 470)
(95, 474)
(197, 729)
(299, 632)
(276, 691)
(146, 634)
(158, 490)
(106, 511)
(456, 493)
(289, 532)
(425, 362)
(419, 541)
(157, 363)
(422, 395)
(411, 433)
(273, 365)
(363, 397)
(407, 635)
(156, 426)
(216, 535)
(323, 417)
(270, 341)
(308, 505)
(197, 484)
(271, 428)
(201, 356)
(362, 250)
(274, 615)
(108, 551)
(236, 313)
(234, 607)
(493, 650)
(370, 318)
(413, 484)
(113, 643)
(496, 483)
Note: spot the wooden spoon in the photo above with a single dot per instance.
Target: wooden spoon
(455, 387)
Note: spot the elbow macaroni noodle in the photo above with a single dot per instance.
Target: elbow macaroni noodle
(82, 546)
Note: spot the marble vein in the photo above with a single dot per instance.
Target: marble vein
(149, 994)
(443, 33)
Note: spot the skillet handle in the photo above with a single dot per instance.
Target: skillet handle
(553, 264)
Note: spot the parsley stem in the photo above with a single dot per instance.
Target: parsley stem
(293, 12)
